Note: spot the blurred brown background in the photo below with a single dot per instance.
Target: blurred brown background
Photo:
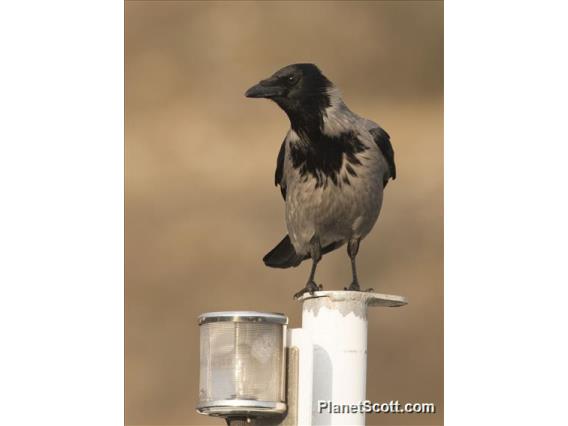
(202, 210)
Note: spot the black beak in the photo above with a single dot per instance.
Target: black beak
(265, 89)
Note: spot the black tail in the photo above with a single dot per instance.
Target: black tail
(284, 255)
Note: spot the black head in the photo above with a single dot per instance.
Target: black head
(293, 86)
(301, 90)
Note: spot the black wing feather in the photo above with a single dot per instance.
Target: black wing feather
(280, 170)
(382, 139)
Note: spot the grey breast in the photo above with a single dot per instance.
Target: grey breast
(334, 212)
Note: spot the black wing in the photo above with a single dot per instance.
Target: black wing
(382, 139)
(280, 170)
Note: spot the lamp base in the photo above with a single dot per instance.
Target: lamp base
(241, 407)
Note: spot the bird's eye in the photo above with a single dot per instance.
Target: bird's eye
(291, 78)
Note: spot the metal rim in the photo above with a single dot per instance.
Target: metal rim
(243, 316)
(240, 406)
(369, 298)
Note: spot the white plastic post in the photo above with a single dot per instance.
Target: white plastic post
(298, 338)
(336, 322)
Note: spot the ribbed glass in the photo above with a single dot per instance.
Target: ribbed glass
(241, 360)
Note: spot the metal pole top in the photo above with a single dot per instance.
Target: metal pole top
(349, 301)
(370, 299)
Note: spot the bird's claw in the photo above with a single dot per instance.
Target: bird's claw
(355, 287)
(310, 287)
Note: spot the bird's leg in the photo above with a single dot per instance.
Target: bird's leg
(315, 253)
(352, 250)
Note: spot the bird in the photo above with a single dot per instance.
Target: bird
(332, 168)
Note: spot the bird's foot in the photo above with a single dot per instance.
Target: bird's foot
(310, 287)
(355, 287)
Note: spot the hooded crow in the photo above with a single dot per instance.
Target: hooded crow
(331, 169)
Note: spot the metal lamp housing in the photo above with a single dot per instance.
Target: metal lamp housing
(242, 364)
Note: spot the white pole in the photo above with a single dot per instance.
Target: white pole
(301, 340)
(337, 324)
